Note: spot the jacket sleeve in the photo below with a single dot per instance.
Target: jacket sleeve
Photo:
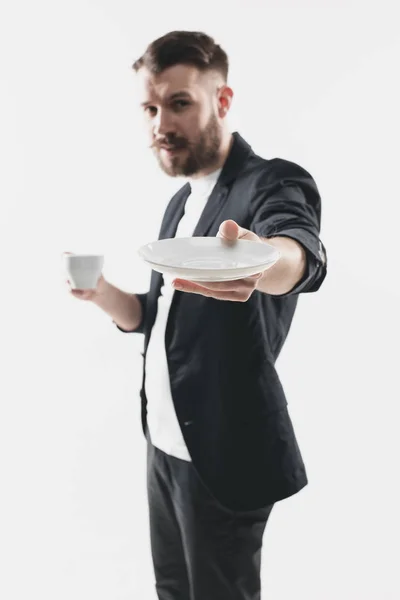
(290, 206)
(143, 301)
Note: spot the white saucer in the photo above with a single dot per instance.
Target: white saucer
(209, 258)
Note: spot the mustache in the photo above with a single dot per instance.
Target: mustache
(171, 141)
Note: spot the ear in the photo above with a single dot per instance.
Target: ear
(225, 95)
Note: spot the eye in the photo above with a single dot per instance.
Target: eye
(150, 110)
(179, 104)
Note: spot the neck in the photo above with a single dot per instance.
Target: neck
(226, 144)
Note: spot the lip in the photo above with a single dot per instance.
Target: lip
(169, 150)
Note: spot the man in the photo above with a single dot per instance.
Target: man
(221, 446)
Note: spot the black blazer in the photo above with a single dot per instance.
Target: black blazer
(221, 355)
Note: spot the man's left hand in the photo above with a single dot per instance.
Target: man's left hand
(239, 290)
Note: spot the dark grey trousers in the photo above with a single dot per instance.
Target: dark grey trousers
(201, 550)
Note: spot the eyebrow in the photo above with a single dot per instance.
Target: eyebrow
(174, 96)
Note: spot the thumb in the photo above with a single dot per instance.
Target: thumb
(229, 230)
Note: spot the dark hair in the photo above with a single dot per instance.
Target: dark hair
(184, 47)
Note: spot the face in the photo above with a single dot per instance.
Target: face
(184, 112)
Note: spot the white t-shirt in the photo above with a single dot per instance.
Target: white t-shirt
(163, 424)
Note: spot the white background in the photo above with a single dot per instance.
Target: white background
(315, 83)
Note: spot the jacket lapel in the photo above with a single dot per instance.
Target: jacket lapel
(172, 216)
(211, 210)
(174, 213)
(235, 161)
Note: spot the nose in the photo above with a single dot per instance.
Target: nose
(163, 123)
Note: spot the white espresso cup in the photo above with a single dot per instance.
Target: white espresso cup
(83, 270)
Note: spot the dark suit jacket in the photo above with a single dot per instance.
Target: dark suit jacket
(221, 355)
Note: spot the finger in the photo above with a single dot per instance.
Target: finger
(236, 285)
(229, 230)
(230, 296)
(233, 295)
(71, 288)
(184, 285)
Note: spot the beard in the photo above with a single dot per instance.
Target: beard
(198, 156)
